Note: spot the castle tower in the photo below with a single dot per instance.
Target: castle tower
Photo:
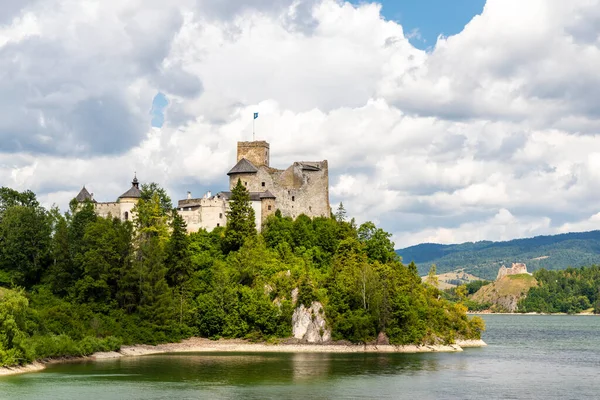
(133, 194)
(85, 195)
(256, 152)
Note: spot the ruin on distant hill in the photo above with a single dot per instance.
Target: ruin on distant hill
(515, 269)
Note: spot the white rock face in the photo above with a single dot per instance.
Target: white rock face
(309, 324)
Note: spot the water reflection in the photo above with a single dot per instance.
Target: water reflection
(243, 368)
(308, 367)
(528, 358)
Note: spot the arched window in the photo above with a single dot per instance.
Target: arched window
(126, 216)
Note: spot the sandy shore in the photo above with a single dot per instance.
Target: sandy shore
(36, 366)
(200, 345)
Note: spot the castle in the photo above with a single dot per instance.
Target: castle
(302, 188)
(121, 208)
(515, 269)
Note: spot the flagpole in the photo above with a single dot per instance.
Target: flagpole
(253, 119)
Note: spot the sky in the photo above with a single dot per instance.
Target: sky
(423, 21)
(442, 121)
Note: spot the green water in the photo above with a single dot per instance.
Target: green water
(528, 357)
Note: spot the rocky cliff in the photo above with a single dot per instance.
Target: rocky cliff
(309, 325)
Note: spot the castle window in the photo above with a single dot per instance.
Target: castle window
(309, 208)
(269, 208)
(245, 183)
(220, 215)
(293, 198)
(262, 184)
(218, 225)
(126, 216)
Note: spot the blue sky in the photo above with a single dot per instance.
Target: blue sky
(430, 18)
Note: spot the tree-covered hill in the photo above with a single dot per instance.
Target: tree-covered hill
(484, 258)
(75, 283)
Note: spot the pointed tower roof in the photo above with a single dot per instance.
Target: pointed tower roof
(243, 167)
(84, 195)
(134, 191)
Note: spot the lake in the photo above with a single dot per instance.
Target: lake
(528, 357)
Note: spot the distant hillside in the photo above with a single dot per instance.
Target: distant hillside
(484, 258)
(452, 279)
(504, 294)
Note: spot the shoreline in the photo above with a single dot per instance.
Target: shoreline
(201, 345)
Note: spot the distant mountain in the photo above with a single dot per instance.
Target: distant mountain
(483, 259)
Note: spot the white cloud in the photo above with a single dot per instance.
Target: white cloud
(491, 135)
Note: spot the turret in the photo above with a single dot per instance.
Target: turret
(134, 193)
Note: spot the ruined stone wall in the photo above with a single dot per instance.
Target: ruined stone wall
(303, 188)
(255, 152)
(515, 269)
(302, 191)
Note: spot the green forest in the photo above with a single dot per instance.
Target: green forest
(483, 259)
(72, 284)
(568, 291)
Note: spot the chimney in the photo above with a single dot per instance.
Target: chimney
(189, 195)
(92, 196)
(208, 194)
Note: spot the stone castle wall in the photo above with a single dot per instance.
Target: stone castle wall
(302, 188)
(122, 210)
(256, 152)
(303, 191)
(210, 213)
(204, 213)
(268, 208)
(515, 269)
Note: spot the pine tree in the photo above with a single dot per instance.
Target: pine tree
(340, 214)
(60, 276)
(432, 278)
(153, 296)
(178, 259)
(240, 219)
(156, 302)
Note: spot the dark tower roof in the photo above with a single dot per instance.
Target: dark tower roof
(267, 195)
(243, 167)
(84, 195)
(134, 191)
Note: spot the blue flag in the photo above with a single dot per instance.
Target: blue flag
(255, 115)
